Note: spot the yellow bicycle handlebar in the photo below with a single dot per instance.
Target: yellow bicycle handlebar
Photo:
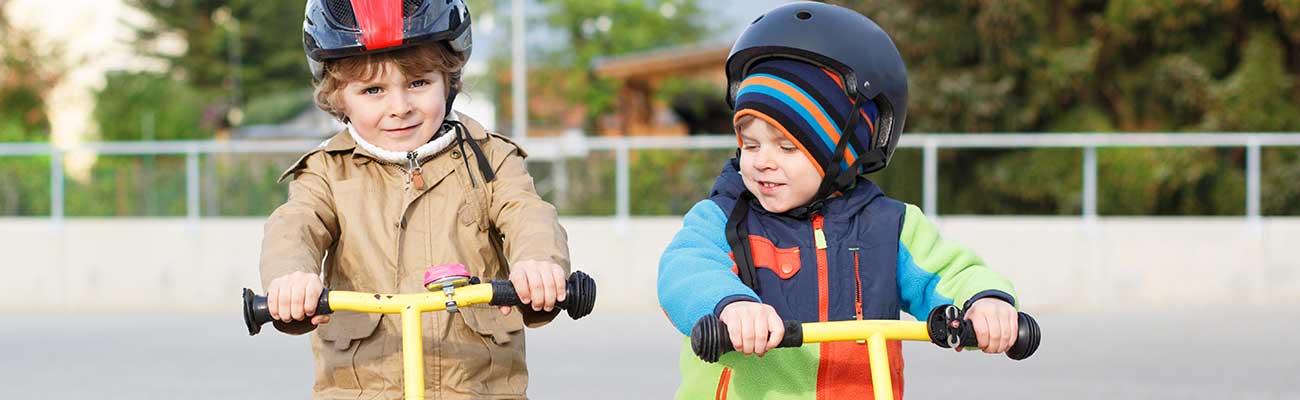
(946, 326)
(580, 299)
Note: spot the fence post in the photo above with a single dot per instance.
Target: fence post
(560, 185)
(56, 186)
(1089, 183)
(192, 183)
(622, 183)
(930, 158)
(1252, 180)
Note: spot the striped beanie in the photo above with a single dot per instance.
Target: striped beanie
(809, 105)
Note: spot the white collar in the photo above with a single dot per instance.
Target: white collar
(440, 141)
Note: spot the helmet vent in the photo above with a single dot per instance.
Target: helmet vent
(409, 7)
(341, 11)
(803, 15)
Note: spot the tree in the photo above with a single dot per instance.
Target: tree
(1100, 66)
(235, 51)
(30, 70)
(595, 28)
(265, 37)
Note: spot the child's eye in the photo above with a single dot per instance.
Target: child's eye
(789, 149)
(420, 83)
(371, 90)
(749, 147)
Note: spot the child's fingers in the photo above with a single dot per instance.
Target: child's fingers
(548, 285)
(747, 334)
(505, 310)
(286, 304)
(561, 287)
(995, 334)
(320, 320)
(737, 333)
(273, 300)
(981, 326)
(776, 329)
(520, 280)
(295, 302)
(761, 335)
(311, 298)
(1010, 325)
(536, 288)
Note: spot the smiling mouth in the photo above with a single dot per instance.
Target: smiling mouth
(409, 128)
(769, 185)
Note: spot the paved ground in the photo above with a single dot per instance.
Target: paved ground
(1193, 354)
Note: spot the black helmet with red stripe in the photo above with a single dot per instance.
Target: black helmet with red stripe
(335, 29)
(843, 41)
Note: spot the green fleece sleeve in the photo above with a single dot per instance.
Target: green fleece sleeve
(933, 271)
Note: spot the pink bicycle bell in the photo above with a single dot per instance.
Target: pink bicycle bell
(445, 276)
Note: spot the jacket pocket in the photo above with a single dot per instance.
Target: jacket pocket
(488, 322)
(347, 327)
(337, 361)
(495, 343)
(784, 262)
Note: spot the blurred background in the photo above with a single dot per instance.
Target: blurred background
(1131, 165)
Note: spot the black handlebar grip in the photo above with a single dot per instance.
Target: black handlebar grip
(710, 339)
(579, 295)
(257, 313)
(1027, 337)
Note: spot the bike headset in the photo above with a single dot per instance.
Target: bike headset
(866, 59)
(337, 29)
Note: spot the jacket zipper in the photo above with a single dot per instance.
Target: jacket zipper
(415, 178)
(857, 276)
(823, 280)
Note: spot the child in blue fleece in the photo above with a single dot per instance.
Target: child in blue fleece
(811, 239)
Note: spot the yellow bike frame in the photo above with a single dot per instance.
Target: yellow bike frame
(410, 306)
(875, 333)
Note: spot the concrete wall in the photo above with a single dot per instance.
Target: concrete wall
(1056, 263)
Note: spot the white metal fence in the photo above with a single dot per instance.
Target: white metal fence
(555, 149)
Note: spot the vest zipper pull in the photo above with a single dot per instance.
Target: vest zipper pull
(416, 179)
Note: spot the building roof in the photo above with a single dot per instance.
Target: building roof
(664, 61)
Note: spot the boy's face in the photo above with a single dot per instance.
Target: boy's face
(396, 112)
(774, 169)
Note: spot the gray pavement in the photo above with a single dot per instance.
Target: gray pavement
(1187, 354)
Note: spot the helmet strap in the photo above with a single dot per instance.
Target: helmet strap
(451, 98)
(463, 138)
(738, 238)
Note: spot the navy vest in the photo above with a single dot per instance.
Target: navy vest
(861, 229)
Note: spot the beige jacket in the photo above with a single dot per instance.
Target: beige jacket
(376, 233)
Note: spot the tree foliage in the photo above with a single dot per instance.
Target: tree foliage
(596, 28)
(1099, 66)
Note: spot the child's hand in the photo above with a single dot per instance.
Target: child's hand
(538, 283)
(995, 322)
(293, 297)
(754, 327)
